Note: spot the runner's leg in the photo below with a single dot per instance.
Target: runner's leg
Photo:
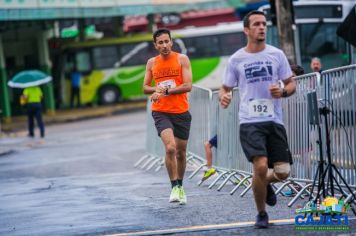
(259, 182)
(181, 146)
(170, 158)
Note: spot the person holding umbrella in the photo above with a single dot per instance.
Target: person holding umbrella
(32, 96)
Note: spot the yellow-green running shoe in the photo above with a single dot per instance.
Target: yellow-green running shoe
(175, 194)
(182, 196)
(209, 172)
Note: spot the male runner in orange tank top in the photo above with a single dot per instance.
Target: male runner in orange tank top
(172, 75)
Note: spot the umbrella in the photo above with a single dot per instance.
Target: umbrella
(29, 78)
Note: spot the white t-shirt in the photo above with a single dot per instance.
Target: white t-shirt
(253, 73)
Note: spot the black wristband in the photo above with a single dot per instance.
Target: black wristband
(284, 93)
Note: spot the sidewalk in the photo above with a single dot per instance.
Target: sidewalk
(14, 135)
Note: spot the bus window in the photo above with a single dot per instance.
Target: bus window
(69, 63)
(318, 40)
(200, 47)
(136, 53)
(126, 48)
(230, 43)
(178, 46)
(105, 57)
(272, 36)
(318, 11)
(83, 61)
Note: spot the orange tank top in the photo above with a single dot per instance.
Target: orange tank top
(168, 72)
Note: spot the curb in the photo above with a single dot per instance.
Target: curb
(63, 116)
(6, 152)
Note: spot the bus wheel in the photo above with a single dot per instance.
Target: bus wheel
(109, 94)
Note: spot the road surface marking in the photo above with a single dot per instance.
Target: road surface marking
(203, 228)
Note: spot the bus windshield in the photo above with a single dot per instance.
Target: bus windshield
(315, 34)
(320, 40)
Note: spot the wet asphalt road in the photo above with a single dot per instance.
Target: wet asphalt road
(81, 181)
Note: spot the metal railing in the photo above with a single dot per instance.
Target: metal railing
(154, 146)
(335, 89)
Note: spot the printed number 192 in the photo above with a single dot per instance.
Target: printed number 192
(260, 108)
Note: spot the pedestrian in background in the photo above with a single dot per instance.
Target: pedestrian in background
(32, 97)
(213, 142)
(172, 75)
(315, 65)
(75, 77)
(257, 70)
(297, 70)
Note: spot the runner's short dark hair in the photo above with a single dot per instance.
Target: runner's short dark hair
(161, 31)
(246, 19)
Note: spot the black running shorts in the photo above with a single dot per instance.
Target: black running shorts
(214, 141)
(179, 123)
(265, 139)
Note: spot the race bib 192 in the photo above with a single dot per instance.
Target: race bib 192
(259, 108)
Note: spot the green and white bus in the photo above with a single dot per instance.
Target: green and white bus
(315, 34)
(113, 69)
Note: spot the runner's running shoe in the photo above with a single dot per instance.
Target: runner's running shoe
(209, 172)
(175, 193)
(182, 196)
(271, 198)
(261, 220)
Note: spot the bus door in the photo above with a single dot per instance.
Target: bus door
(79, 61)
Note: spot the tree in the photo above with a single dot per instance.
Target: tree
(285, 24)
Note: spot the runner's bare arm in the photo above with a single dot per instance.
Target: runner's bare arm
(147, 82)
(289, 87)
(186, 86)
(225, 96)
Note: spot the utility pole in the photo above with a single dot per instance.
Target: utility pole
(285, 24)
(119, 23)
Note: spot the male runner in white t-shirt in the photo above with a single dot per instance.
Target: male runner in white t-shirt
(257, 70)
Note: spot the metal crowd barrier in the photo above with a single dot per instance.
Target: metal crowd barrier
(199, 104)
(229, 160)
(154, 146)
(210, 113)
(335, 89)
(340, 84)
(302, 137)
(338, 93)
(229, 155)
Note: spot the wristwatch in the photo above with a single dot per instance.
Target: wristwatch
(284, 93)
(166, 93)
